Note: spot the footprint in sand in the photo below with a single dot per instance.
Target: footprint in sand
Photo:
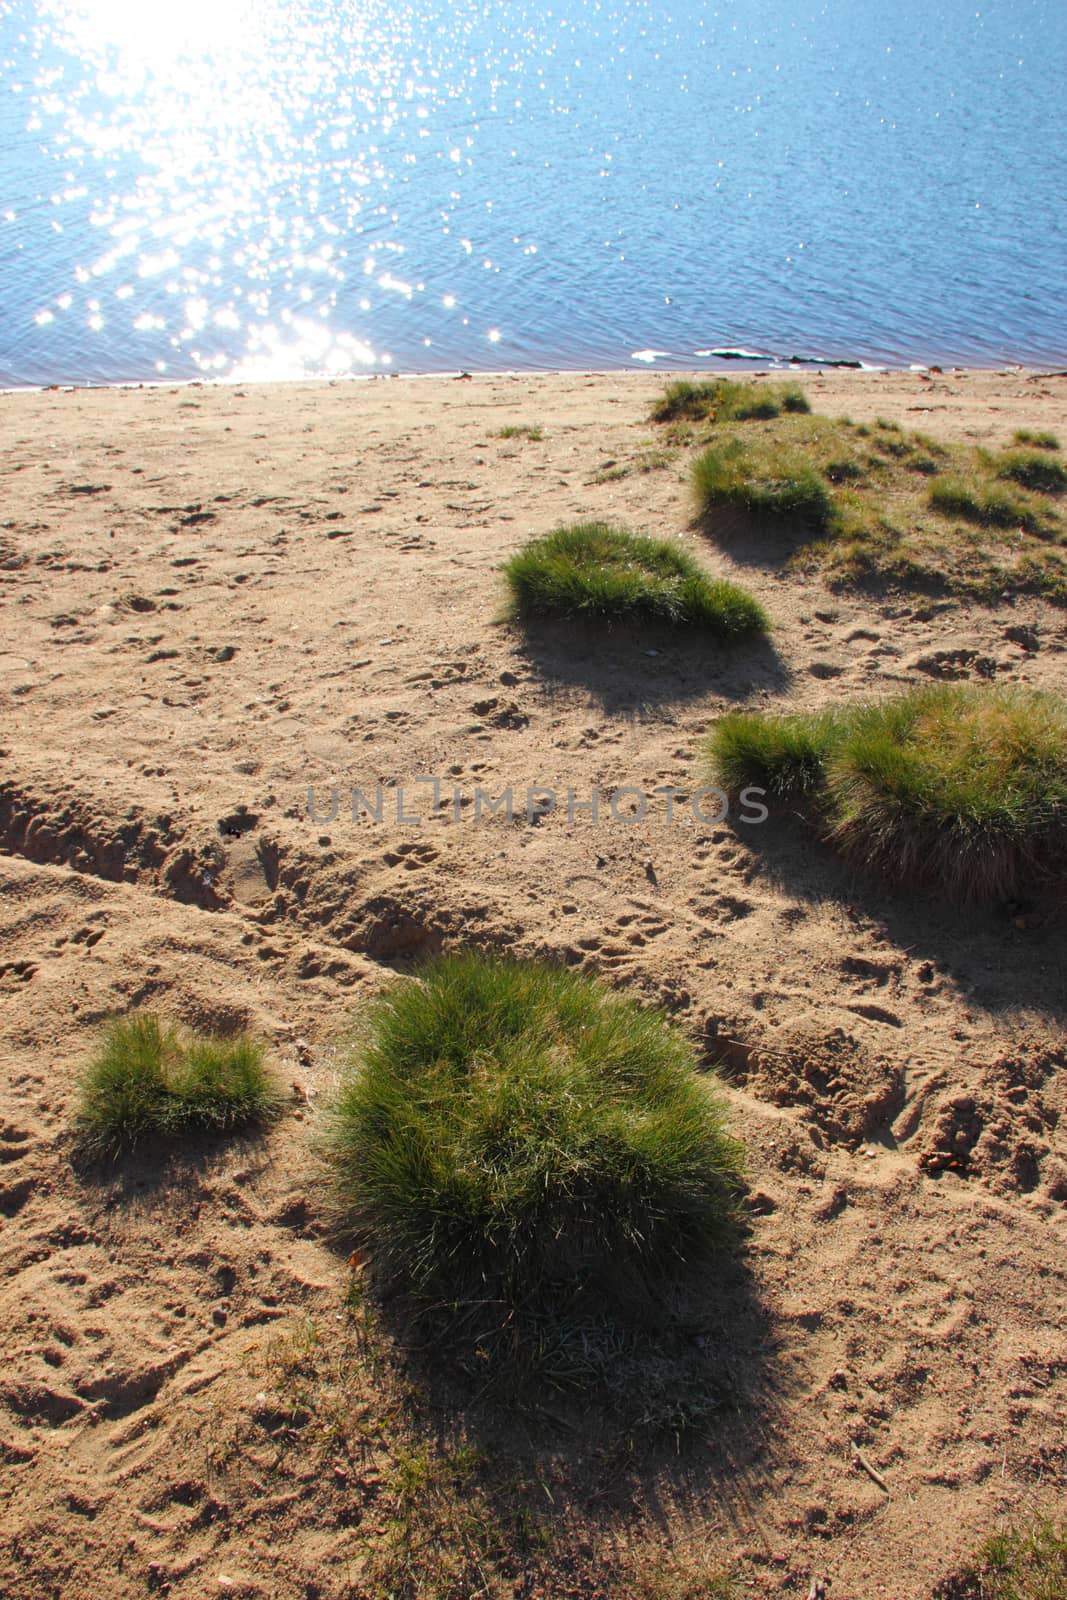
(411, 856)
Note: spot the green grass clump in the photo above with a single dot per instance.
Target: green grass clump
(595, 571)
(785, 756)
(725, 400)
(1036, 441)
(878, 507)
(843, 471)
(989, 508)
(148, 1083)
(1034, 471)
(520, 430)
(1015, 1564)
(957, 788)
(773, 484)
(513, 1132)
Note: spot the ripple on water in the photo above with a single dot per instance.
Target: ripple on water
(269, 188)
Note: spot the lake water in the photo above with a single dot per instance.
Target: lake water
(269, 188)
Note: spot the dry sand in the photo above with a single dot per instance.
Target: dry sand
(213, 597)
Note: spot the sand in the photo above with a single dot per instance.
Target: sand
(216, 597)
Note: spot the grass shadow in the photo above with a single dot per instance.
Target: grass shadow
(477, 1491)
(755, 539)
(151, 1174)
(565, 1478)
(628, 671)
(1005, 956)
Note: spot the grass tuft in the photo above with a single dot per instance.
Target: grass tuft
(149, 1083)
(726, 400)
(1036, 441)
(593, 570)
(1034, 471)
(989, 508)
(520, 430)
(957, 788)
(780, 485)
(874, 506)
(843, 471)
(783, 755)
(1014, 1564)
(513, 1133)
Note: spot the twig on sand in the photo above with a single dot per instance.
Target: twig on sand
(872, 1472)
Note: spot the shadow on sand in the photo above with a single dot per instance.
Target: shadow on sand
(634, 671)
(768, 542)
(1009, 956)
(597, 1427)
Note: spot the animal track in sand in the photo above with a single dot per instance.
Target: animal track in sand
(411, 856)
(832, 1079)
(500, 714)
(711, 907)
(876, 1014)
(15, 1143)
(878, 972)
(1002, 1130)
(16, 972)
(14, 1196)
(956, 664)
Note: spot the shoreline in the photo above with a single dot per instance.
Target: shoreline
(812, 368)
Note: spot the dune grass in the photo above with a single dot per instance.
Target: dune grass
(1036, 440)
(727, 400)
(878, 506)
(778, 485)
(1034, 471)
(514, 1134)
(148, 1083)
(785, 756)
(989, 508)
(521, 430)
(598, 572)
(1015, 1563)
(960, 789)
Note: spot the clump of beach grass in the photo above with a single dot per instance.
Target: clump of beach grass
(512, 1133)
(598, 572)
(521, 430)
(785, 756)
(956, 788)
(727, 400)
(148, 1082)
(989, 508)
(778, 484)
(882, 507)
(1036, 440)
(1015, 1563)
(1034, 471)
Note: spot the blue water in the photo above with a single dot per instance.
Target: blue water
(271, 188)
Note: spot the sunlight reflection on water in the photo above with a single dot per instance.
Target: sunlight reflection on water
(277, 189)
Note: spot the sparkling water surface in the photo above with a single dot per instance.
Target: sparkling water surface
(273, 189)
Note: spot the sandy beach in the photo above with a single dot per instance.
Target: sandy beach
(216, 597)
